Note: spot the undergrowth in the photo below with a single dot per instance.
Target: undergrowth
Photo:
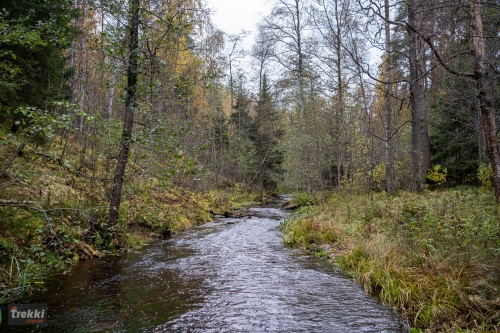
(433, 256)
(54, 209)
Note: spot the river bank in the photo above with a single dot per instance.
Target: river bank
(431, 256)
(53, 214)
(232, 275)
(39, 239)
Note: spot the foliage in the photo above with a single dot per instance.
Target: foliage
(485, 175)
(306, 199)
(379, 174)
(33, 39)
(14, 32)
(437, 175)
(454, 142)
(200, 144)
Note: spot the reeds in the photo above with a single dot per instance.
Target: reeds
(15, 281)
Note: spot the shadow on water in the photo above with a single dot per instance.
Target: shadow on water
(233, 275)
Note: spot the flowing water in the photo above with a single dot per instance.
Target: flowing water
(233, 275)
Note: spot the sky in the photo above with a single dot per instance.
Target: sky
(232, 16)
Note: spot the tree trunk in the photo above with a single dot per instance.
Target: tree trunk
(415, 98)
(83, 65)
(300, 60)
(111, 94)
(128, 118)
(389, 157)
(338, 46)
(425, 144)
(480, 63)
(261, 166)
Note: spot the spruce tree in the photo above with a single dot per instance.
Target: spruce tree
(33, 43)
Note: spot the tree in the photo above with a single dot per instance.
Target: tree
(480, 73)
(416, 97)
(334, 21)
(235, 53)
(266, 133)
(481, 66)
(457, 139)
(389, 156)
(33, 41)
(287, 30)
(130, 107)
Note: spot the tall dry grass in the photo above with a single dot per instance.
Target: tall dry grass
(434, 256)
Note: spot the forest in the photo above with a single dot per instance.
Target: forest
(126, 120)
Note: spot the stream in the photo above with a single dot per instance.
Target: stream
(232, 275)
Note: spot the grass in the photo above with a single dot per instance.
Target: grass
(305, 230)
(433, 256)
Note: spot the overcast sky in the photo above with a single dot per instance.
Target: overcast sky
(232, 16)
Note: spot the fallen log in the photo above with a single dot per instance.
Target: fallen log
(290, 205)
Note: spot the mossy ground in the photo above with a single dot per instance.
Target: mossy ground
(432, 256)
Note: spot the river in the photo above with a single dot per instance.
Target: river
(232, 275)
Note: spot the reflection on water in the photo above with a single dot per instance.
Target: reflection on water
(233, 275)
